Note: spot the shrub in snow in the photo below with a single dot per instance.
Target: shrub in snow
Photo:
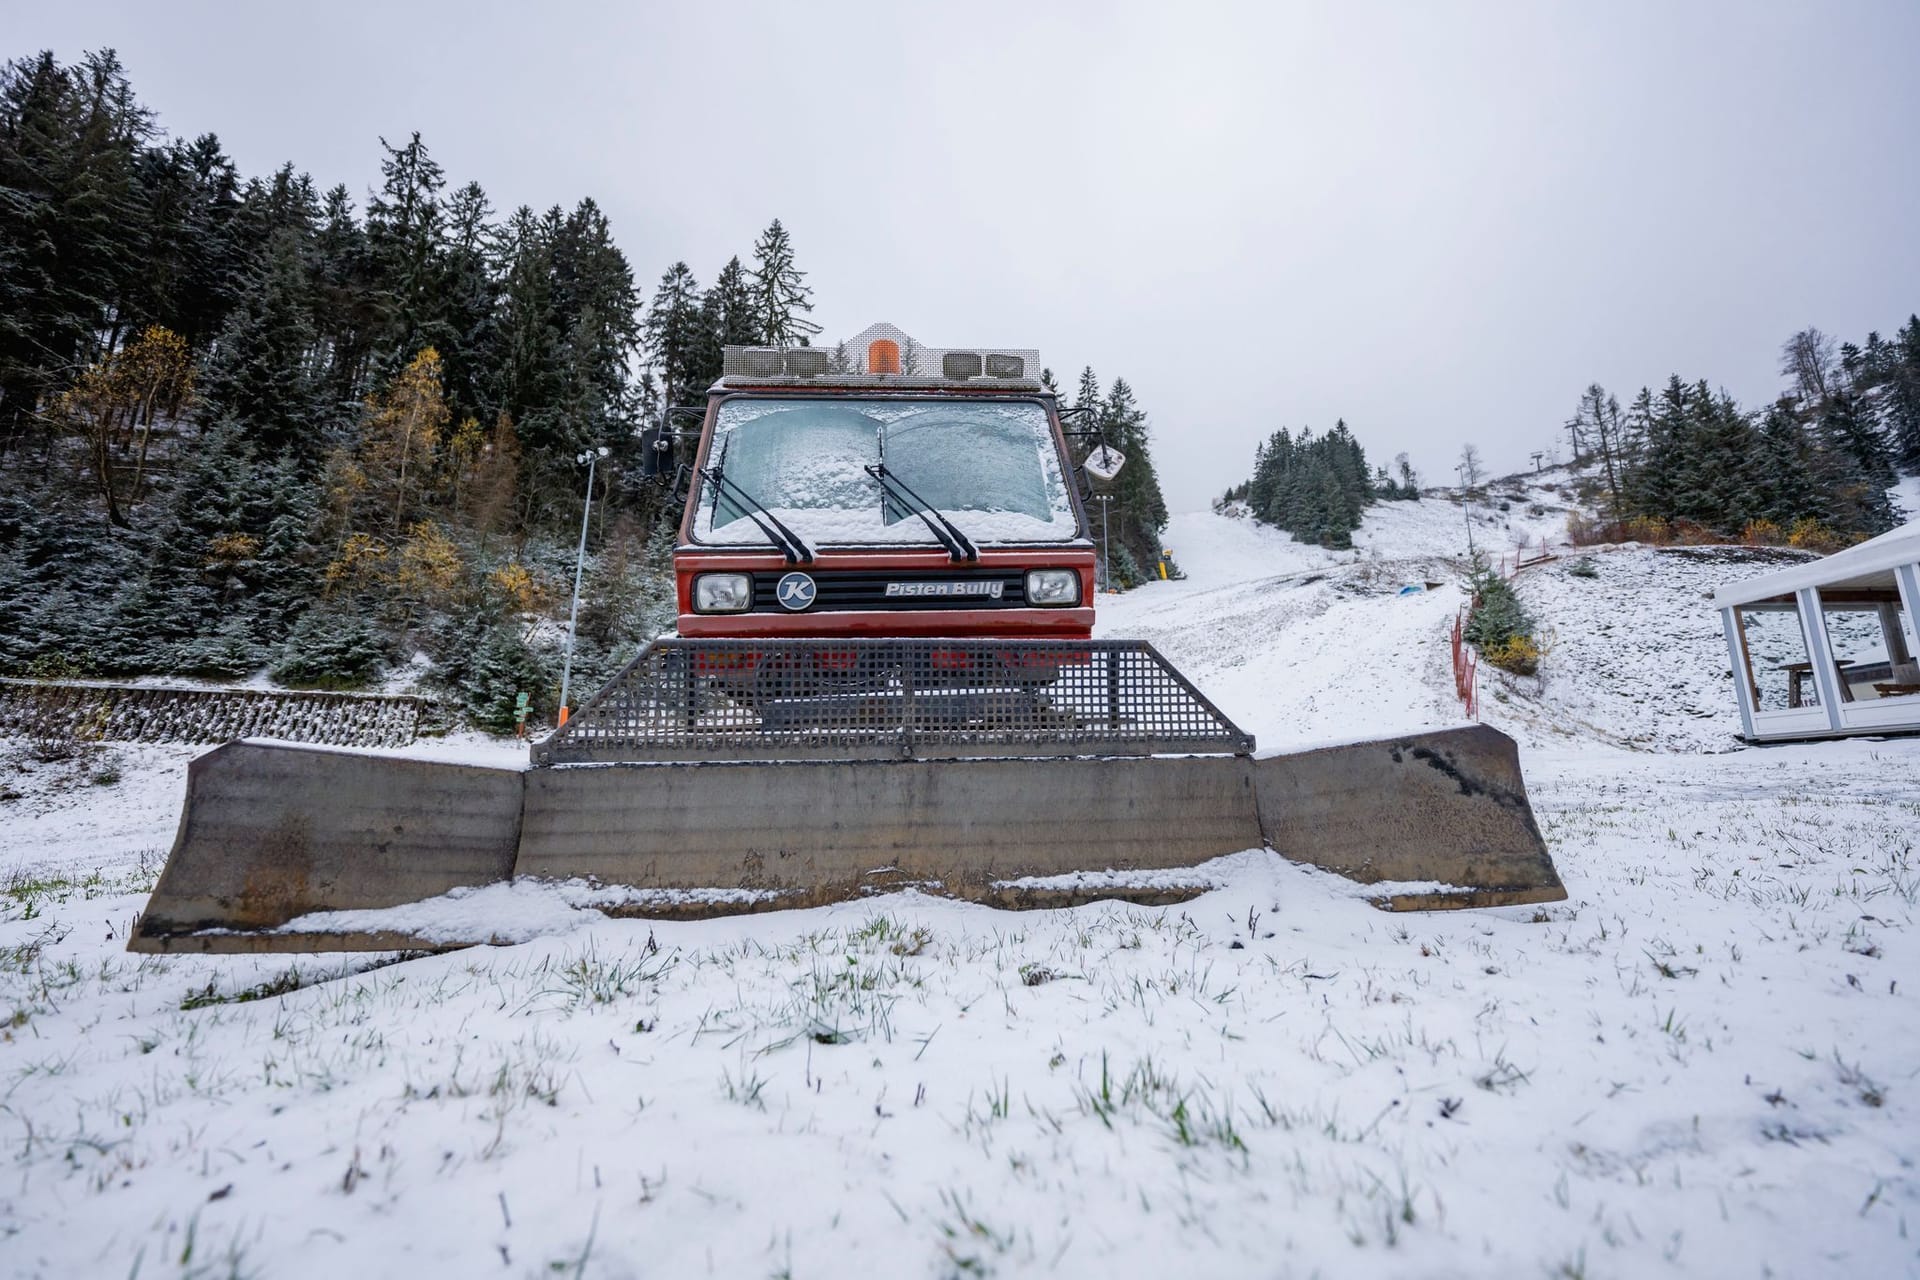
(1518, 654)
(485, 660)
(1126, 570)
(229, 651)
(331, 649)
(1499, 625)
(503, 667)
(1808, 534)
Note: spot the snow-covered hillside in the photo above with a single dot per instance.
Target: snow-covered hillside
(1632, 655)
(1700, 1064)
(1307, 645)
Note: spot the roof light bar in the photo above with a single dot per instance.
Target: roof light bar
(883, 355)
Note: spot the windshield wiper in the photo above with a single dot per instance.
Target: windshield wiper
(786, 539)
(957, 544)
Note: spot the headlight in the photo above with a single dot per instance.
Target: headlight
(722, 593)
(1053, 587)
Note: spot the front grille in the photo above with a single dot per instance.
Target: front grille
(842, 589)
(892, 699)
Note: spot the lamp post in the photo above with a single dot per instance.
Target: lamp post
(592, 459)
(1106, 555)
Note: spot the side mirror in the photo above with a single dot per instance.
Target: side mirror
(660, 453)
(1102, 466)
(656, 453)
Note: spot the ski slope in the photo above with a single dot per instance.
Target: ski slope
(1703, 1063)
(1298, 644)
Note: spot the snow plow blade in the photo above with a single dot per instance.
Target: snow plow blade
(277, 839)
(272, 832)
(1432, 820)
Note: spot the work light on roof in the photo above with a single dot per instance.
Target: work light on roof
(808, 362)
(759, 362)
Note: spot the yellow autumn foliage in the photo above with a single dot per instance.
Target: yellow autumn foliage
(229, 549)
(1518, 654)
(523, 591)
(362, 559)
(429, 565)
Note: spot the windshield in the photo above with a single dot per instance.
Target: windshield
(987, 465)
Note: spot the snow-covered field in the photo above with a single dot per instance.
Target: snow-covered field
(1703, 1063)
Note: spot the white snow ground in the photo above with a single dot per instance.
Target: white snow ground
(1703, 1063)
(1906, 497)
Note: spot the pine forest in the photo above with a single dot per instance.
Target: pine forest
(251, 426)
(1813, 469)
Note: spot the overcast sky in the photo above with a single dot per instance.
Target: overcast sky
(1439, 221)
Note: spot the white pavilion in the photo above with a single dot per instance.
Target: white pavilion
(1827, 648)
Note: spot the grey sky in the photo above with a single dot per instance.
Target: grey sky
(1439, 221)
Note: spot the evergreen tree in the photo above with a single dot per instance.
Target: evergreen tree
(1850, 423)
(191, 260)
(597, 307)
(1139, 510)
(405, 223)
(332, 647)
(1654, 486)
(1695, 455)
(290, 555)
(467, 301)
(1854, 464)
(677, 333)
(1902, 370)
(1315, 488)
(195, 589)
(348, 306)
(59, 579)
(1086, 396)
(1788, 466)
(780, 295)
(283, 206)
(71, 221)
(261, 371)
(735, 313)
(529, 375)
(1717, 483)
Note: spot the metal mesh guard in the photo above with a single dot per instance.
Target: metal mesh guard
(892, 699)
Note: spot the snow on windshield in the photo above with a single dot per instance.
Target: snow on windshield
(989, 466)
